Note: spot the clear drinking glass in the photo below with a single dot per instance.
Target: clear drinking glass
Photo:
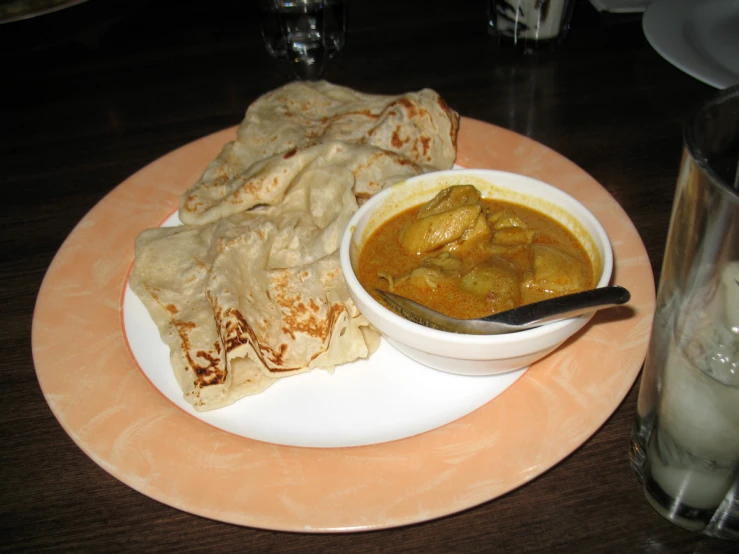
(529, 25)
(304, 33)
(685, 441)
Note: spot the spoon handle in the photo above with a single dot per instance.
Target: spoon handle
(516, 319)
(563, 307)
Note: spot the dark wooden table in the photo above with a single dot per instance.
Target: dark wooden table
(93, 93)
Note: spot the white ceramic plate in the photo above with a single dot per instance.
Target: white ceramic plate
(700, 37)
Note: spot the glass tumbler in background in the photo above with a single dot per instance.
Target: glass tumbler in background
(304, 33)
(685, 441)
(529, 26)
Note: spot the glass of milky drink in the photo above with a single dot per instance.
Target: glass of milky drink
(304, 33)
(685, 441)
(529, 25)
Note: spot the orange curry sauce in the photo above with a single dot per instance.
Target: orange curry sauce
(383, 255)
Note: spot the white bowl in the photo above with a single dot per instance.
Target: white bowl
(472, 354)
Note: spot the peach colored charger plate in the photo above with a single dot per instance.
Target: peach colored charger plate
(103, 401)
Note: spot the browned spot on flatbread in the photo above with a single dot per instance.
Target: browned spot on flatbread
(290, 153)
(301, 317)
(183, 326)
(395, 139)
(420, 152)
(241, 333)
(453, 118)
(238, 330)
(191, 204)
(201, 264)
(207, 373)
(171, 308)
(276, 356)
(408, 105)
(229, 322)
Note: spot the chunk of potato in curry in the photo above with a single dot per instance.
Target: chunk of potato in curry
(468, 257)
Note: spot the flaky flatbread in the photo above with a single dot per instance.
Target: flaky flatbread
(250, 289)
(382, 140)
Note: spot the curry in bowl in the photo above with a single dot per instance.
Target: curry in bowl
(467, 256)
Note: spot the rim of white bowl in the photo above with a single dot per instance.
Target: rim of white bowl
(447, 336)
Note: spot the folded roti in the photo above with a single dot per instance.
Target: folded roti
(250, 289)
(385, 139)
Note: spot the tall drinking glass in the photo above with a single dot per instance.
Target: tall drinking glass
(685, 441)
(304, 33)
(529, 26)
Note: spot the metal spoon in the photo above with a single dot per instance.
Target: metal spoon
(509, 321)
